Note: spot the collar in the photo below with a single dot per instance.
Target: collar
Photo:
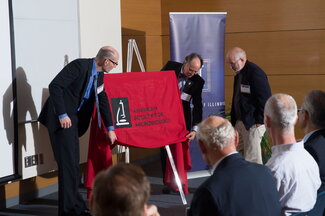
(221, 159)
(306, 137)
(181, 75)
(287, 147)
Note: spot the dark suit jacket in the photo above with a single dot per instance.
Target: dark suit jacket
(237, 188)
(315, 145)
(193, 87)
(251, 104)
(66, 92)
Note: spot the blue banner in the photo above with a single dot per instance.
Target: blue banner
(203, 33)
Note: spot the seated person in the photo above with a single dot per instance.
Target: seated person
(312, 121)
(236, 187)
(122, 190)
(295, 171)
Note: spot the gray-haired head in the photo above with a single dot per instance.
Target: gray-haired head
(314, 104)
(282, 111)
(216, 135)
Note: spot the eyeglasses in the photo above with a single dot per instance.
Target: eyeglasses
(116, 63)
(300, 110)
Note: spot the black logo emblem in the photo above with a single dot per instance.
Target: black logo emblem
(121, 112)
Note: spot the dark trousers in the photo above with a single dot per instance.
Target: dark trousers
(163, 159)
(65, 145)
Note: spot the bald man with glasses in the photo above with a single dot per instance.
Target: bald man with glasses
(251, 91)
(67, 113)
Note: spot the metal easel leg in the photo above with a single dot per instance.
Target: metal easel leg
(177, 179)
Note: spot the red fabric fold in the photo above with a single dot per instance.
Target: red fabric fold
(147, 113)
(182, 160)
(99, 153)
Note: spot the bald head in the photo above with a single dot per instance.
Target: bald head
(236, 58)
(106, 59)
(107, 52)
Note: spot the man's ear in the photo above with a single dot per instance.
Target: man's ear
(204, 149)
(236, 138)
(267, 121)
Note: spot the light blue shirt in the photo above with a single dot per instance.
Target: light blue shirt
(297, 177)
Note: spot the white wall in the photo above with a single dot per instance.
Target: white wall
(6, 104)
(44, 36)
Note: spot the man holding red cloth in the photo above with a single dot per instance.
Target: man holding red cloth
(145, 109)
(190, 85)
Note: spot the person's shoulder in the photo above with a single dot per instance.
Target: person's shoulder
(197, 78)
(81, 61)
(254, 68)
(172, 65)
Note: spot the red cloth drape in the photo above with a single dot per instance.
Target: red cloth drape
(182, 160)
(147, 113)
(99, 153)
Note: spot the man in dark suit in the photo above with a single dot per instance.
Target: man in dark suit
(236, 187)
(190, 85)
(251, 91)
(66, 114)
(312, 121)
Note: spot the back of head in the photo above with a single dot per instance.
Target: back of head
(106, 52)
(314, 104)
(216, 132)
(282, 111)
(122, 190)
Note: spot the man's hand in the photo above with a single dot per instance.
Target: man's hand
(191, 135)
(151, 210)
(65, 122)
(111, 136)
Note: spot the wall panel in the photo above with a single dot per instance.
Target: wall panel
(283, 52)
(252, 15)
(141, 15)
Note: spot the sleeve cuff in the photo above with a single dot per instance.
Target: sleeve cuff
(110, 128)
(195, 128)
(63, 115)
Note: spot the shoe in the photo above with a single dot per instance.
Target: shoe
(168, 190)
(85, 213)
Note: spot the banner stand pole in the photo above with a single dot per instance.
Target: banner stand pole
(177, 179)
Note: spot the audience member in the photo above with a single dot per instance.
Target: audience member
(237, 187)
(122, 190)
(295, 171)
(311, 118)
(251, 90)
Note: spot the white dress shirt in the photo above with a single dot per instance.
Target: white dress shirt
(297, 177)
